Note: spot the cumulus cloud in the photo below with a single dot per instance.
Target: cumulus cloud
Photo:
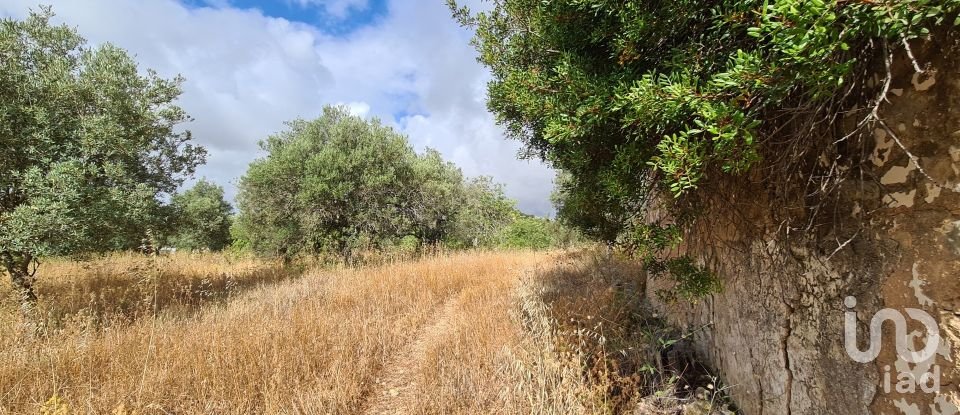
(247, 73)
(359, 109)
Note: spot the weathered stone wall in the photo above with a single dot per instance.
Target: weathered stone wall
(776, 332)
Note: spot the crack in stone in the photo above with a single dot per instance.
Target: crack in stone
(785, 347)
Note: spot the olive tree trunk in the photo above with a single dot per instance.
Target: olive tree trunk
(17, 265)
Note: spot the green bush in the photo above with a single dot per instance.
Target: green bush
(201, 218)
(527, 232)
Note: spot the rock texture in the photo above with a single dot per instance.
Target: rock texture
(776, 333)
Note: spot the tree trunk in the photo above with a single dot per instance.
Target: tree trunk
(17, 265)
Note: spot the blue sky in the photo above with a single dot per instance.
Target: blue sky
(336, 17)
(251, 65)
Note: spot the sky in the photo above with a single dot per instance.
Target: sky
(251, 65)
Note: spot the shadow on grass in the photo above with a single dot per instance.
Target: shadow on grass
(599, 305)
(121, 289)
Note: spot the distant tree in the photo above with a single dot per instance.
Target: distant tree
(528, 232)
(482, 213)
(341, 183)
(437, 196)
(87, 146)
(239, 238)
(201, 218)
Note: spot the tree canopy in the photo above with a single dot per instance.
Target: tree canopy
(88, 143)
(340, 183)
(201, 218)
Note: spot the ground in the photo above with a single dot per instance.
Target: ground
(474, 332)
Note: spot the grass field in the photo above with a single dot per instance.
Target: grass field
(479, 332)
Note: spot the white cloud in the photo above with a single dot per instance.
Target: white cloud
(248, 73)
(359, 109)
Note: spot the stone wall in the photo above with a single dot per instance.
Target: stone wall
(776, 333)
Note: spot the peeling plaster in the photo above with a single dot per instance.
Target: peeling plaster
(918, 370)
(926, 84)
(951, 321)
(948, 404)
(898, 174)
(921, 368)
(900, 199)
(933, 192)
(945, 349)
(906, 408)
(778, 379)
(881, 152)
(917, 284)
(942, 405)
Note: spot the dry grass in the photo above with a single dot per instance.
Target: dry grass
(457, 333)
(121, 288)
(588, 314)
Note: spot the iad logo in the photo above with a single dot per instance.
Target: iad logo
(907, 379)
(904, 351)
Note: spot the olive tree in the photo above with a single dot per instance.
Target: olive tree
(436, 197)
(330, 185)
(339, 183)
(481, 215)
(201, 218)
(88, 146)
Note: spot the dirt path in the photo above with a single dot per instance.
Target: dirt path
(396, 381)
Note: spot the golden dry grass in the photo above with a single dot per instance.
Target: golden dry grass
(120, 288)
(509, 332)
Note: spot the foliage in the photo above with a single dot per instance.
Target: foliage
(482, 214)
(580, 205)
(635, 98)
(341, 184)
(527, 232)
(239, 239)
(531, 232)
(202, 218)
(692, 282)
(89, 145)
(334, 184)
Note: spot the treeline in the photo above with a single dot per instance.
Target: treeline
(340, 184)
